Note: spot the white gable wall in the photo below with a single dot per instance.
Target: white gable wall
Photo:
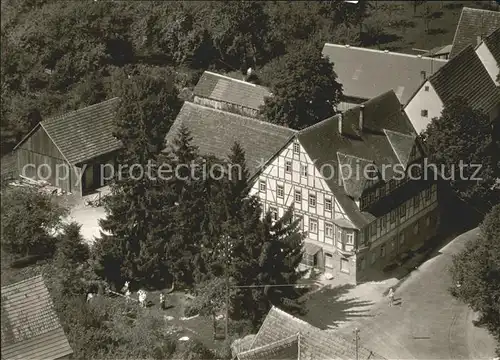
(425, 99)
(312, 184)
(488, 61)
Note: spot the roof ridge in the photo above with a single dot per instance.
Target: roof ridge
(241, 116)
(56, 117)
(387, 52)
(450, 63)
(282, 312)
(38, 277)
(270, 345)
(477, 9)
(237, 80)
(318, 124)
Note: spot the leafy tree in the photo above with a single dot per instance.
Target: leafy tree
(29, 220)
(241, 34)
(305, 91)
(476, 273)
(465, 136)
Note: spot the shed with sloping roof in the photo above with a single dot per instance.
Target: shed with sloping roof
(30, 325)
(68, 150)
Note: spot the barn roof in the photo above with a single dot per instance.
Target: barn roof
(366, 73)
(233, 91)
(473, 23)
(215, 131)
(83, 134)
(30, 326)
(493, 44)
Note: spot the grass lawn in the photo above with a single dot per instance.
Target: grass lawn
(444, 16)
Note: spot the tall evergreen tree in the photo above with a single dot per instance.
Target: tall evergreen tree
(139, 215)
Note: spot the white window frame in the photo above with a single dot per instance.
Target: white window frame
(299, 193)
(349, 237)
(296, 148)
(303, 169)
(262, 186)
(329, 228)
(346, 262)
(313, 226)
(280, 191)
(328, 204)
(312, 197)
(288, 166)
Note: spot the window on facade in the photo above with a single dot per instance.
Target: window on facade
(313, 226)
(402, 238)
(367, 235)
(296, 148)
(328, 204)
(374, 257)
(393, 244)
(383, 222)
(424, 113)
(428, 221)
(288, 166)
(426, 88)
(328, 230)
(393, 216)
(373, 228)
(274, 213)
(303, 170)
(427, 194)
(382, 251)
(298, 196)
(344, 265)
(416, 201)
(416, 228)
(349, 236)
(402, 210)
(280, 191)
(312, 200)
(262, 185)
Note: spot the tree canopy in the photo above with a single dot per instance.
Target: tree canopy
(305, 90)
(466, 136)
(476, 271)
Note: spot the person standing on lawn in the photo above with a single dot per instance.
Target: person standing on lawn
(391, 297)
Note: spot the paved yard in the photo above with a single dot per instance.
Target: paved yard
(88, 217)
(427, 322)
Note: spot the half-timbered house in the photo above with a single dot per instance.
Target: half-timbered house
(354, 222)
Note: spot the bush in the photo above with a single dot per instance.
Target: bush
(29, 220)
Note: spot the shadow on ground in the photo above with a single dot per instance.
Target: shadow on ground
(329, 307)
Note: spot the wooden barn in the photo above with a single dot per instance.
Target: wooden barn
(70, 151)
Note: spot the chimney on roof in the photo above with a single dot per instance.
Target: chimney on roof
(478, 39)
(423, 74)
(362, 117)
(341, 116)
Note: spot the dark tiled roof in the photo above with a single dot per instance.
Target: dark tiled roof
(366, 73)
(238, 92)
(324, 144)
(473, 23)
(30, 326)
(287, 348)
(214, 132)
(466, 76)
(493, 44)
(85, 133)
(280, 328)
